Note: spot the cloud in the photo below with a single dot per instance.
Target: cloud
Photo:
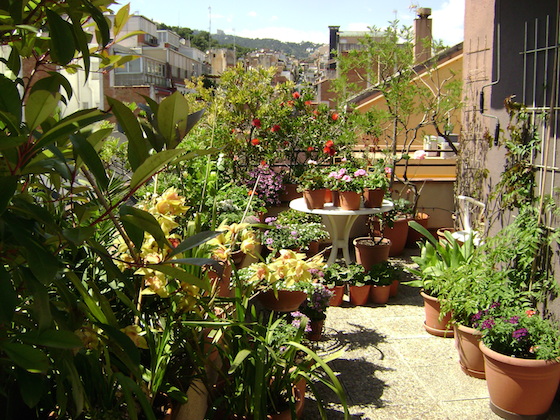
(286, 34)
(448, 22)
(252, 14)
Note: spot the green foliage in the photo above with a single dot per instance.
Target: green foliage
(292, 234)
(340, 275)
(384, 273)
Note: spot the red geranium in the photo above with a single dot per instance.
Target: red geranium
(310, 149)
(255, 142)
(256, 123)
(334, 116)
(296, 95)
(307, 102)
(329, 148)
(275, 128)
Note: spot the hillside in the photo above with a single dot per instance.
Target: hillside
(299, 50)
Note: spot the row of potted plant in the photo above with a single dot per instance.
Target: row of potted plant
(489, 297)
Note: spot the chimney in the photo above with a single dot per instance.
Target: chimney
(422, 35)
(333, 45)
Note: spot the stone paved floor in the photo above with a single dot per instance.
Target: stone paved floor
(393, 369)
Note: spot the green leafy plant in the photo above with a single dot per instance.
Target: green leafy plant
(340, 275)
(383, 274)
(286, 232)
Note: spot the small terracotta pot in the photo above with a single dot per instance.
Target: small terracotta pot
(522, 387)
(379, 294)
(373, 197)
(338, 296)
(287, 301)
(335, 198)
(328, 196)
(316, 332)
(359, 295)
(369, 254)
(467, 341)
(432, 324)
(394, 288)
(350, 200)
(314, 199)
(398, 235)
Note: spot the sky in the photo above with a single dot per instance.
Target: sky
(300, 20)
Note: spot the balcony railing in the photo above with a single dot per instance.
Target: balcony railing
(140, 79)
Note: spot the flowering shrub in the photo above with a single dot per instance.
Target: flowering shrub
(518, 332)
(317, 302)
(292, 235)
(269, 184)
(290, 271)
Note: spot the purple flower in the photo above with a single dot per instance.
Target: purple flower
(495, 305)
(513, 320)
(520, 334)
(487, 324)
(270, 219)
(269, 241)
(294, 233)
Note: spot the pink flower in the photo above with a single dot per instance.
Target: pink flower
(347, 178)
(333, 175)
(419, 154)
(388, 170)
(360, 172)
(341, 171)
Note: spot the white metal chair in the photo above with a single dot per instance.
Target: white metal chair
(467, 207)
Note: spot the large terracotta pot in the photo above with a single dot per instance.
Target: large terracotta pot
(220, 280)
(287, 414)
(415, 236)
(373, 197)
(522, 387)
(379, 294)
(287, 300)
(398, 235)
(470, 356)
(432, 324)
(338, 296)
(368, 253)
(314, 199)
(359, 295)
(350, 200)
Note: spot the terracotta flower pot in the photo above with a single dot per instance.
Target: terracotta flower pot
(415, 236)
(398, 235)
(394, 288)
(316, 332)
(287, 301)
(221, 281)
(335, 198)
(350, 200)
(338, 296)
(470, 356)
(379, 294)
(522, 387)
(368, 253)
(432, 324)
(314, 199)
(359, 295)
(373, 197)
(289, 193)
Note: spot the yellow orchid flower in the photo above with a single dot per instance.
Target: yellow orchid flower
(133, 332)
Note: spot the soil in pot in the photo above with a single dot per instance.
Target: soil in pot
(370, 252)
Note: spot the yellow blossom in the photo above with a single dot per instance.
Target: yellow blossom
(89, 337)
(133, 332)
(171, 202)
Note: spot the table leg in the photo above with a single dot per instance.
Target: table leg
(339, 227)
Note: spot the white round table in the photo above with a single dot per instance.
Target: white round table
(339, 223)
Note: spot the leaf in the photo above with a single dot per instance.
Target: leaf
(81, 39)
(145, 221)
(137, 149)
(121, 18)
(40, 105)
(239, 358)
(52, 84)
(61, 38)
(180, 275)
(31, 386)
(101, 21)
(8, 297)
(193, 119)
(8, 186)
(91, 159)
(29, 358)
(10, 102)
(152, 165)
(172, 118)
(193, 241)
(80, 234)
(59, 339)
(128, 387)
(14, 61)
(41, 262)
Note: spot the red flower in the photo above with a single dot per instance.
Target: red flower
(530, 312)
(263, 162)
(256, 123)
(310, 149)
(334, 116)
(275, 128)
(296, 95)
(315, 112)
(307, 102)
(290, 103)
(329, 148)
(255, 142)
(329, 143)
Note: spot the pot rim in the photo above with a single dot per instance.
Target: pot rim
(515, 361)
(384, 241)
